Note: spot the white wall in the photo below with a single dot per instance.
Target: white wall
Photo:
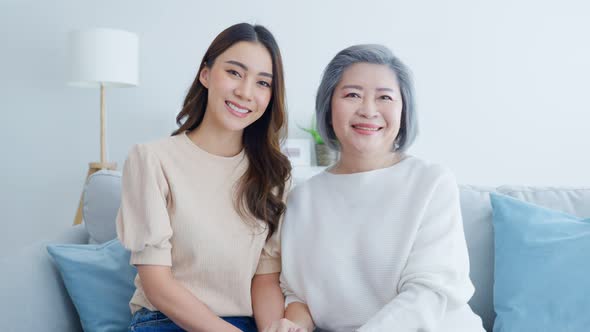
(502, 86)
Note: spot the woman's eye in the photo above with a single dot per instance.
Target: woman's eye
(264, 84)
(234, 73)
(385, 97)
(352, 95)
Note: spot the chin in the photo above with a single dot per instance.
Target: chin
(233, 124)
(236, 127)
(364, 149)
(373, 149)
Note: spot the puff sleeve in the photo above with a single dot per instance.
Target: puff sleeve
(270, 258)
(143, 223)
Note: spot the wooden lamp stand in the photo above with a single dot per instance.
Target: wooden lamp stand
(96, 166)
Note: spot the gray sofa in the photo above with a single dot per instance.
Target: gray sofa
(33, 297)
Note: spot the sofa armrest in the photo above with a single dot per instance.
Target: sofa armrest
(33, 294)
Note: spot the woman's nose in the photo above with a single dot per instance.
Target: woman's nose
(368, 109)
(244, 90)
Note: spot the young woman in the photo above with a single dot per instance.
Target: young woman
(384, 243)
(200, 210)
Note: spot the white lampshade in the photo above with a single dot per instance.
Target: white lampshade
(104, 56)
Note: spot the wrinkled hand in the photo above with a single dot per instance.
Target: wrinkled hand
(284, 325)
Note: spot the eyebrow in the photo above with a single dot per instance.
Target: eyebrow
(358, 87)
(243, 66)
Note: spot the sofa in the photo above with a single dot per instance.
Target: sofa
(33, 296)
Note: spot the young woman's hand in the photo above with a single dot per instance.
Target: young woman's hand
(284, 325)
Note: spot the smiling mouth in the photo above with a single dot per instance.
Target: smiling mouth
(360, 127)
(236, 108)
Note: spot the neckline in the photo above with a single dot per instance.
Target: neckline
(373, 171)
(199, 149)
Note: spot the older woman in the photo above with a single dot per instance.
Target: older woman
(375, 242)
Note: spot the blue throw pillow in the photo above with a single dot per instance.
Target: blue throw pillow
(542, 268)
(99, 279)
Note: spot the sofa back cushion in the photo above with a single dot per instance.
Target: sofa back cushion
(479, 234)
(102, 198)
(575, 201)
(477, 219)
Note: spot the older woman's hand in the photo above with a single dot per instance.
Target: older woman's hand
(284, 325)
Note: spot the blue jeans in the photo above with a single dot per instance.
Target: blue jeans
(155, 321)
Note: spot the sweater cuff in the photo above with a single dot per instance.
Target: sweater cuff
(152, 256)
(291, 299)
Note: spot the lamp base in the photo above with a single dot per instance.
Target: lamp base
(92, 168)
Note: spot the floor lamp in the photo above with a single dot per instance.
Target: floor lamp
(102, 58)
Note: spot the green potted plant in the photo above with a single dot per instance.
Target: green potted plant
(324, 155)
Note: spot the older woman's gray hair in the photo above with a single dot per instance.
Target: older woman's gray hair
(374, 54)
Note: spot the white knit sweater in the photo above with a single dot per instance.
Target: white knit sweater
(382, 250)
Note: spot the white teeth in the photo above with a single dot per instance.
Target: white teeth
(237, 109)
(364, 128)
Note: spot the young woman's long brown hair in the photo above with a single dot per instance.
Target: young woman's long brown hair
(261, 188)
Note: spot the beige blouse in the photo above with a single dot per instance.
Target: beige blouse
(177, 209)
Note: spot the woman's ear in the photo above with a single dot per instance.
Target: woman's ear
(204, 76)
